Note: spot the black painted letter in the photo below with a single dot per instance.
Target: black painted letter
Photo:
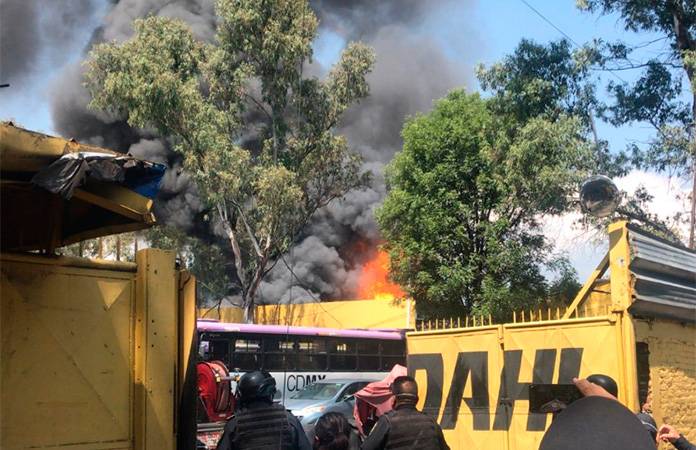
(475, 363)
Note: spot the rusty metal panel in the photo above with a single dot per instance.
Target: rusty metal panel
(67, 353)
(664, 277)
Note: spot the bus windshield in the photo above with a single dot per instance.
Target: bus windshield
(317, 391)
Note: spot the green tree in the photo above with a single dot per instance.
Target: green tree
(461, 218)
(549, 81)
(659, 97)
(203, 97)
(552, 80)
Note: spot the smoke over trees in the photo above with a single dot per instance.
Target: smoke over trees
(197, 95)
(328, 256)
(36, 34)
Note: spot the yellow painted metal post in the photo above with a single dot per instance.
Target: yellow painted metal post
(187, 380)
(587, 287)
(187, 320)
(621, 298)
(156, 350)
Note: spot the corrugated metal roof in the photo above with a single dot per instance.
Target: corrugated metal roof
(664, 276)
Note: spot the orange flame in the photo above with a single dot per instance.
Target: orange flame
(374, 280)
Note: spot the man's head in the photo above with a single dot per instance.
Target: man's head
(405, 390)
(256, 386)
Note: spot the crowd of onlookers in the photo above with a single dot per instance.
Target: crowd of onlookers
(596, 421)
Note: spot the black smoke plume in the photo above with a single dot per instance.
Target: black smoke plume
(411, 71)
(35, 35)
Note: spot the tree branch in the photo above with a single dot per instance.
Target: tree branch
(636, 66)
(249, 231)
(259, 105)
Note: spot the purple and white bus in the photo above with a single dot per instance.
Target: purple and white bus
(298, 356)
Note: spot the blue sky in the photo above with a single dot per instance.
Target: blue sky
(498, 27)
(469, 32)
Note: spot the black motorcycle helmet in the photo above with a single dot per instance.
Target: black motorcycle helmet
(257, 385)
(606, 382)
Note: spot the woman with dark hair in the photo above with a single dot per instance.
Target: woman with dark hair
(333, 432)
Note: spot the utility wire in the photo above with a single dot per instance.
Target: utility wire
(566, 35)
(550, 23)
(301, 284)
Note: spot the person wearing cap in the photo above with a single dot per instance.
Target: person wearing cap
(667, 433)
(405, 427)
(259, 423)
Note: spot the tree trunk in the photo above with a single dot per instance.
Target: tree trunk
(247, 300)
(248, 308)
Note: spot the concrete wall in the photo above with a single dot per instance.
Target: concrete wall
(229, 314)
(341, 314)
(672, 386)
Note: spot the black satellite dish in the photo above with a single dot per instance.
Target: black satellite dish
(599, 196)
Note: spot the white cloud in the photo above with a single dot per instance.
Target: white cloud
(670, 195)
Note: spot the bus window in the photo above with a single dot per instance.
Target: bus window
(247, 354)
(388, 362)
(368, 355)
(218, 350)
(368, 363)
(342, 355)
(393, 352)
(278, 353)
(393, 348)
(312, 354)
(368, 347)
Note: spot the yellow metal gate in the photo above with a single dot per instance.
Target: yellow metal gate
(93, 353)
(475, 380)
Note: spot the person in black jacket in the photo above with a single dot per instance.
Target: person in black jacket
(260, 424)
(668, 433)
(405, 427)
(596, 422)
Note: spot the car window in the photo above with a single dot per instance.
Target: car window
(352, 389)
(317, 391)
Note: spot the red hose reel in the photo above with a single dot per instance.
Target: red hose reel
(214, 390)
